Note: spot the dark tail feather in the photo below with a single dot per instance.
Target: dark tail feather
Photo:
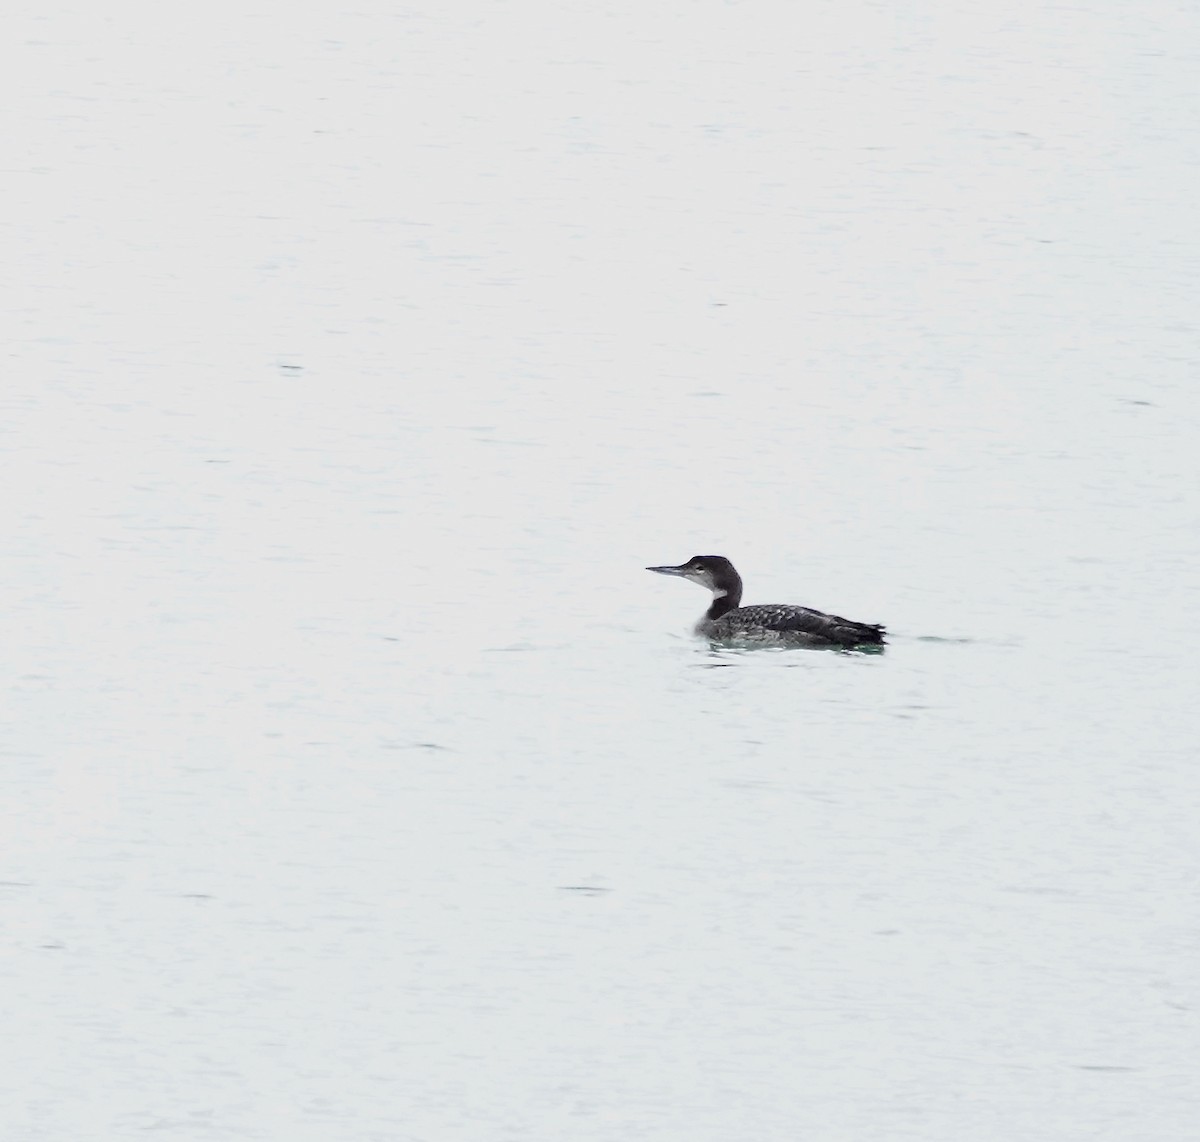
(863, 634)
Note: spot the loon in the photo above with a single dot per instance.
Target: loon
(775, 624)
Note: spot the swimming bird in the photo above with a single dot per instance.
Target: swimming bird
(775, 624)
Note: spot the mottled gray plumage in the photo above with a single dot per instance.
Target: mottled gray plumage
(777, 624)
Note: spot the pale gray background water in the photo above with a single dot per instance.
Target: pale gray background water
(358, 782)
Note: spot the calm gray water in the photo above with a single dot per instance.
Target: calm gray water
(359, 783)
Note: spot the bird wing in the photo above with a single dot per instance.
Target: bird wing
(804, 620)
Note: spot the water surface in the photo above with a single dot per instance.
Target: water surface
(361, 784)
